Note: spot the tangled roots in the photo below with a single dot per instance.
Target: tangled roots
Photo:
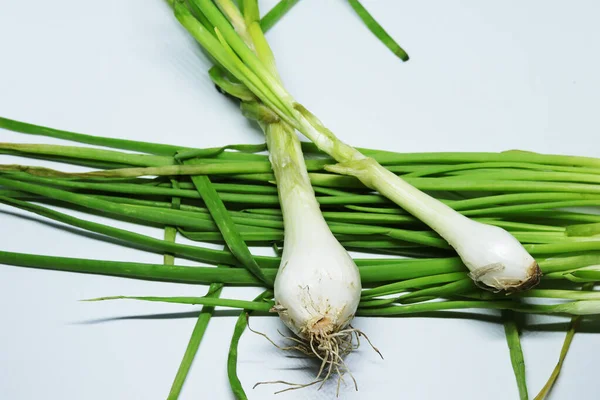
(330, 348)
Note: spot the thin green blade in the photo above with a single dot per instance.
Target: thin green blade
(516, 352)
(378, 30)
(276, 13)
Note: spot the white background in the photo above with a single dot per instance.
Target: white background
(483, 76)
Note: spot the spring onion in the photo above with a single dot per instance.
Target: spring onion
(318, 285)
(317, 288)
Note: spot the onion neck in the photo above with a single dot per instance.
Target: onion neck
(296, 195)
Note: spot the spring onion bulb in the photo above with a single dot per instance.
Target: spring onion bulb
(497, 261)
(318, 285)
(317, 288)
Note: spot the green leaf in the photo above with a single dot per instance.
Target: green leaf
(378, 30)
(194, 343)
(145, 147)
(240, 327)
(516, 352)
(151, 272)
(563, 352)
(263, 306)
(227, 227)
(276, 13)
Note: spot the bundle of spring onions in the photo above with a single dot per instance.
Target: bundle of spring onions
(529, 200)
(474, 230)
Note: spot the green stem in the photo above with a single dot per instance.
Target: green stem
(491, 166)
(171, 231)
(575, 321)
(146, 147)
(152, 272)
(378, 30)
(446, 184)
(160, 170)
(276, 13)
(450, 289)
(86, 153)
(524, 208)
(516, 198)
(398, 287)
(557, 248)
(572, 308)
(516, 352)
(389, 157)
(556, 176)
(227, 227)
(204, 317)
(232, 358)
(205, 301)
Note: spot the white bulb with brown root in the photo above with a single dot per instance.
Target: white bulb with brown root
(318, 287)
(497, 261)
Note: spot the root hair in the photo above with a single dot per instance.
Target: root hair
(330, 348)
